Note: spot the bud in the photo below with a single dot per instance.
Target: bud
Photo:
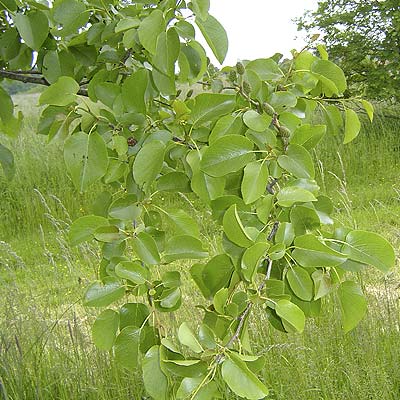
(268, 109)
(232, 75)
(284, 131)
(246, 87)
(240, 68)
(189, 93)
(178, 92)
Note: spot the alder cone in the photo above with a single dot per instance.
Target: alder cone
(240, 68)
(268, 109)
(246, 87)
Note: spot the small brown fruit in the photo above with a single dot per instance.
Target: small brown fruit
(131, 141)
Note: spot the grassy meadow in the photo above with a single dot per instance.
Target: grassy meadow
(45, 345)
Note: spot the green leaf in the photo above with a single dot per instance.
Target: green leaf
(57, 64)
(148, 162)
(227, 125)
(83, 228)
(154, 379)
(125, 208)
(126, 348)
(298, 162)
(352, 303)
(192, 62)
(292, 314)
(322, 283)
(369, 248)
(187, 338)
(369, 109)
(254, 181)
(185, 29)
(70, 15)
(241, 380)
(107, 93)
(186, 368)
(352, 126)
(102, 295)
(332, 72)
(334, 119)
(60, 93)
(308, 135)
(133, 91)
(86, 158)
(228, 154)
(256, 121)
(264, 207)
(174, 182)
(277, 251)
(183, 223)
(9, 5)
(280, 101)
(290, 195)
(133, 314)
(7, 161)
(301, 283)
(210, 106)
(182, 247)
(104, 329)
(146, 249)
(285, 233)
(200, 8)
(167, 52)
(266, 68)
(217, 273)
(234, 229)
(304, 219)
(33, 28)
(215, 36)
(310, 252)
(150, 28)
(109, 234)
(125, 24)
(252, 259)
(206, 391)
(133, 271)
(207, 187)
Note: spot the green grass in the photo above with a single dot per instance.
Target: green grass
(45, 346)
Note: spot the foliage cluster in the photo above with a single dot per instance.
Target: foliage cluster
(242, 147)
(363, 37)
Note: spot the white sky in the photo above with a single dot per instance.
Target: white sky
(260, 28)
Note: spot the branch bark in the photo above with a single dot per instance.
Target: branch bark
(27, 77)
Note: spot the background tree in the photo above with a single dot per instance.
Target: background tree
(363, 37)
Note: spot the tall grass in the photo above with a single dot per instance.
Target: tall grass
(39, 165)
(45, 346)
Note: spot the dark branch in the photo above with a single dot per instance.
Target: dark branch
(270, 186)
(273, 231)
(26, 77)
(23, 77)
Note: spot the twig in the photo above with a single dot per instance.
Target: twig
(25, 77)
(273, 231)
(270, 186)
(245, 313)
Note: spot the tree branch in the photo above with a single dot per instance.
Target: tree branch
(26, 77)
